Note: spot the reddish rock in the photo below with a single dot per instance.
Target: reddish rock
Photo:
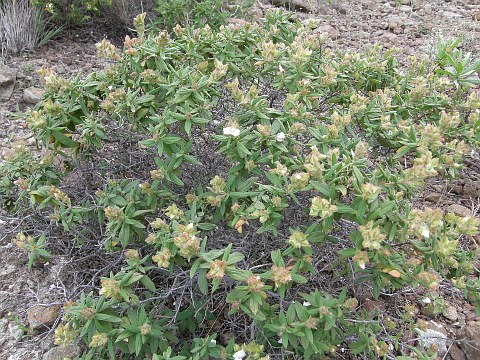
(469, 340)
(39, 316)
(372, 305)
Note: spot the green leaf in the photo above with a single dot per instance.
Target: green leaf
(347, 252)
(134, 223)
(148, 283)
(202, 281)
(64, 140)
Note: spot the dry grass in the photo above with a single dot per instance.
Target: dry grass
(18, 30)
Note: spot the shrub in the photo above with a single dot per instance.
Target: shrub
(74, 12)
(191, 13)
(250, 178)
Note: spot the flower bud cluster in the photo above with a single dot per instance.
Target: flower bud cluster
(298, 239)
(106, 50)
(299, 181)
(218, 185)
(322, 207)
(428, 279)
(256, 285)
(280, 275)
(280, 169)
(217, 269)
(99, 340)
(467, 225)
(425, 223)
(110, 288)
(219, 71)
(50, 80)
(186, 241)
(36, 119)
(372, 236)
(21, 240)
(114, 213)
(59, 195)
(162, 258)
(313, 163)
(370, 192)
(173, 212)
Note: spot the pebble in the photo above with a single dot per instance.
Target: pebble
(451, 313)
(459, 210)
(450, 14)
(405, 8)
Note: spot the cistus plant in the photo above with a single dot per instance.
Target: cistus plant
(75, 12)
(255, 172)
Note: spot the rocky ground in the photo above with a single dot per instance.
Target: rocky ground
(30, 301)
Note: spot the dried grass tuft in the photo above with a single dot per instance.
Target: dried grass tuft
(18, 30)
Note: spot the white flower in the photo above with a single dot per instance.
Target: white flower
(239, 355)
(426, 301)
(426, 232)
(232, 131)
(361, 266)
(280, 340)
(280, 137)
(306, 303)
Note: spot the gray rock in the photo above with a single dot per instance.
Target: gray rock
(59, 352)
(434, 335)
(452, 15)
(3, 331)
(405, 8)
(7, 82)
(32, 95)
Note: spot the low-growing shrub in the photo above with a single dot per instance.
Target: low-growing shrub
(249, 179)
(195, 13)
(74, 12)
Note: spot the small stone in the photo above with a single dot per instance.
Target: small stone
(7, 82)
(3, 331)
(16, 331)
(388, 38)
(457, 189)
(32, 95)
(452, 15)
(70, 351)
(236, 21)
(459, 210)
(451, 313)
(327, 29)
(372, 305)
(405, 8)
(39, 316)
(469, 339)
(456, 353)
(476, 16)
(471, 190)
(418, 4)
